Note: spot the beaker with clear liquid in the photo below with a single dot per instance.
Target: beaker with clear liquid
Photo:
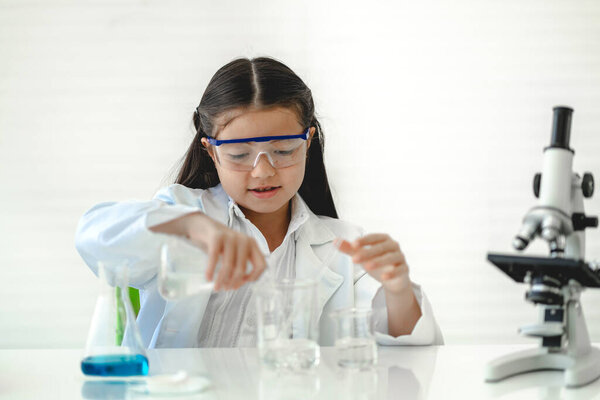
(288, 332)
(107, 351)
(182, 270)
(355, 342)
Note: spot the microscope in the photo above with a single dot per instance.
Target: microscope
(555, 282)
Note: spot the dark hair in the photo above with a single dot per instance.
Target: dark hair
(262, 83)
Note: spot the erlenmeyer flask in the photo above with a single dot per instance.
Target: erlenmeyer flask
(105, 354)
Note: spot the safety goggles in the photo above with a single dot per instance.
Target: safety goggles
(244, 154)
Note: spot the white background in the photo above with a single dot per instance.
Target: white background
(435, 116)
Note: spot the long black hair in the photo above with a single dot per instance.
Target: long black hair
(260, 83)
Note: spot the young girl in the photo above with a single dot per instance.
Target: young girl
(252, 189)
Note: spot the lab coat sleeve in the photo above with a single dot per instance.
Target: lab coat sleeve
(426, 331)
(117, 234)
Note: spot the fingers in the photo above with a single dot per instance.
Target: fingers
(372, 239)
(344, 246)
(394, 272)
(386, 272)
(368, 247)
(380, 256)
(237, 251)
(393, 277)
(237, 276)
(395, 258)
(377, 249)
(258, 261)
(228, 262)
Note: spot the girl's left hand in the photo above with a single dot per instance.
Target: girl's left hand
(382, 258)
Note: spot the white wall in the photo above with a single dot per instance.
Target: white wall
(435, 116)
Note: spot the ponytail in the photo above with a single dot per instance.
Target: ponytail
(315, 186)
(198, 169)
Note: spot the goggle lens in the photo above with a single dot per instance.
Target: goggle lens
(245, 156)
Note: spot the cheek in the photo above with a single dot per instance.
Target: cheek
(231, 181)
(295, 177)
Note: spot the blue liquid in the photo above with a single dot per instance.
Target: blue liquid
(115, 365)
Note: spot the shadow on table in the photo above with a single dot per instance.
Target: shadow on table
(91, 390)
(409, 371)
(541, 385)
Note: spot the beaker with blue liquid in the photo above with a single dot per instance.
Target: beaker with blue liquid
(114, 345)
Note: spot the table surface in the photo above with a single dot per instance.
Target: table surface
(432, 372)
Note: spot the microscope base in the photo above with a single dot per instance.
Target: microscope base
(579, 370)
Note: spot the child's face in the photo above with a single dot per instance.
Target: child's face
(241, 185)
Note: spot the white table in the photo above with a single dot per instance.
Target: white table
(442, 372)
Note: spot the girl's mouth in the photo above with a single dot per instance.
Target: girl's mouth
(265, 192)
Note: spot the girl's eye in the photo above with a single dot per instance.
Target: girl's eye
(284, 152)
(237, 157)
(285, 147)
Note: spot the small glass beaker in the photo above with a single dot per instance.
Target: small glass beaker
(182, 270)
(288, 332)
(355, 343)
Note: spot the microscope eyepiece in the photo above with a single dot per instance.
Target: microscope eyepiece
(561, 127)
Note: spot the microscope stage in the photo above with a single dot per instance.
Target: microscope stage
(563, 269)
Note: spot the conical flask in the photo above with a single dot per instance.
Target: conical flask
(105, 353)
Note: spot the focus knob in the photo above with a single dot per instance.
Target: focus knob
(581, 221)
(587, 185)
(537, 181)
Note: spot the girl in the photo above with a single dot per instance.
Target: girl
(252, 189)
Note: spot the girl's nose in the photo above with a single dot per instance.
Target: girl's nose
(263, 167)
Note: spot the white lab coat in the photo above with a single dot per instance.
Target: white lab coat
(117, 234)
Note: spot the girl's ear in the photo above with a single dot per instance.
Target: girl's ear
(208, 148)
(311, 132)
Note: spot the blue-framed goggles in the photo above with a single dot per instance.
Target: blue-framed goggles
(243, 154)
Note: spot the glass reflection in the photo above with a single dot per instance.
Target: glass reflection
(277, 385)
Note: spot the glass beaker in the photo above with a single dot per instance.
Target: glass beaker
(107, 352)
(355, 343)
(182, 270)
(288, 331)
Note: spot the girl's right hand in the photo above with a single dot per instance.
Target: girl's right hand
(233, 248)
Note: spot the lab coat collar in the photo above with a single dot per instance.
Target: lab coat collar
(315, 230)
(299, 215)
